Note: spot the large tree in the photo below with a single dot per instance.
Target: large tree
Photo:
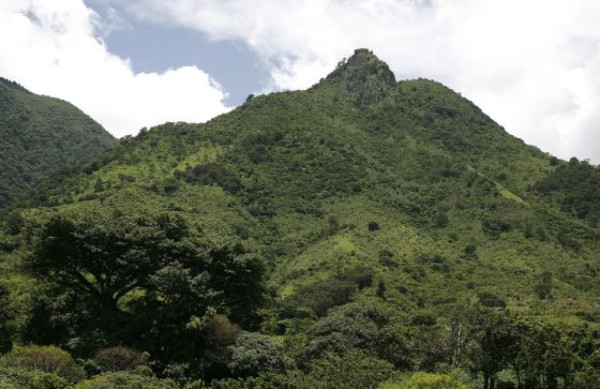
(497, 344)
(173, 281)
(106, 258)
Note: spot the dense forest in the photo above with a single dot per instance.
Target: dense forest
(364, 233)
(40, 135)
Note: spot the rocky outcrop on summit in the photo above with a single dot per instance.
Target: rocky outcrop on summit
(364, 77)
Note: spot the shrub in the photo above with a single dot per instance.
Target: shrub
(436, 262)
(544, 287)
(254, 353)
(494, 227)
(47, 359)
(490, 300)
(423, 320)
(355, 370)
(119, 358)
(373, 226)
(99, 185)
(11, 377)
(381, 289)
(334, 225)
(363, 277)
(13, 223)
(220, 334)
(441, 220)
(122, 380)
(568, 242)
(386, 258)
(394, 347)
(339, 334)
(323, 295)
(425, 381)
(290, 380)
(7, 247)
(47, 381)
(587, 380)
(167, 187)
(214, 173)
(471, 251)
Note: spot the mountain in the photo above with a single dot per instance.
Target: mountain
(389, 226)
(39, 135)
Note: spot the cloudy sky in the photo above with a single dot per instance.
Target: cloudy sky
(532, 65)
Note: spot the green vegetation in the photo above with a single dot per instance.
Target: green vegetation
(362, 233)
(426, 381)
(40, 135)
(576, 188)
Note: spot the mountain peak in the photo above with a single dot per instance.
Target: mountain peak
(364, 77)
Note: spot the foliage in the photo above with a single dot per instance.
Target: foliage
(212, 173)
(496, 346)
(544, 356)
(323, 295)
(119, 358)
(576, 186)
(425, 381)
(39, 135)
(292, 379)
(255, 353)
(6, 316)
(122, 380)
(168, 280)
(544, 287)
(118, 255)
(47, 381)
(17, 378)
(366, 327)
(494, 227)
(490, 300)
(352, 371)
(47, 359)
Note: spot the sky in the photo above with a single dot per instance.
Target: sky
(531, 65)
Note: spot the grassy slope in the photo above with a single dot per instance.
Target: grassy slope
(316, 168)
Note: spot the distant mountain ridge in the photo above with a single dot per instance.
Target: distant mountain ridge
(41, 134)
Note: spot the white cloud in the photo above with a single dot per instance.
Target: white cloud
(52, 47)
(532, 65)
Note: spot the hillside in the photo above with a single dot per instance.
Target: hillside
(39, 135)
(367, 228)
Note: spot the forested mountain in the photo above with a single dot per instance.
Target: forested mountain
(363, 232)
(39, 135)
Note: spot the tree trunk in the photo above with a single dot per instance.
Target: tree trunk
(109, 302)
